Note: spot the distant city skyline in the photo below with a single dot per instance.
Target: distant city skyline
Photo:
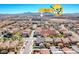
(24, 8)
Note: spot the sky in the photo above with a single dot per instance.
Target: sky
(23, 8)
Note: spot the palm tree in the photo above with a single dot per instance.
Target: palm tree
(57, 10)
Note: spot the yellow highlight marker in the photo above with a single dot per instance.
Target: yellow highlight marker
(46, 10)
(57, 9)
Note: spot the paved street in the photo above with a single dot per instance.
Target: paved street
(29, 44)
(28, 47)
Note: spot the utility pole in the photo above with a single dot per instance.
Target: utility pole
(41, 16)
